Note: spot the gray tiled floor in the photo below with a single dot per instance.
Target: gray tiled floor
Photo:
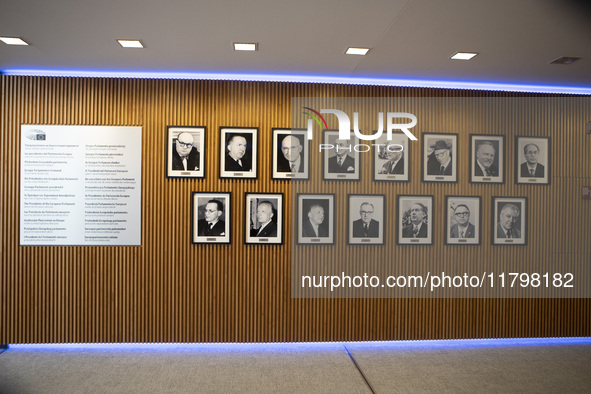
(425, 366)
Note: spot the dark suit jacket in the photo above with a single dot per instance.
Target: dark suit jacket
(372, 232)
(269, 231)
(232, 165)
(470, 231)
(501, 233)
(333, 166)
(217, 230)
(434, 167)
(192, 160)
(494, 171)
(308, 230)
(407, 231)
(283, 164)
(398, 168)
(539, 173)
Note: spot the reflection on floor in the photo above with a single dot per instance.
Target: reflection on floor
(548, 365)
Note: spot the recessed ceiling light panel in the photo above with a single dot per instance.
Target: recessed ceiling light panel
(130, 43)
(463, 55)
(357, 51)
(13, 41)
(245, 46)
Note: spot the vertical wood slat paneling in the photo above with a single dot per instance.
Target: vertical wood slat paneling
(168, 290)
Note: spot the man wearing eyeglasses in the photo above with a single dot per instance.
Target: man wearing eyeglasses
(212, 226)
(463, 228)
(439, 162)
(185, 157)
(366, 227)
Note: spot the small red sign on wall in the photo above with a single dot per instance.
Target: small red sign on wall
(586, 193)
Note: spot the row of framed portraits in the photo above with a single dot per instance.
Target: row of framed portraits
(366, 219)
(290, 156)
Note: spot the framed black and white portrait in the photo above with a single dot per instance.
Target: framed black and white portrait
(415, 220)
(462, 220)
(291, 154)
(487, 158)
(185, 152)
(366, 214)
(391, 158)
(211, 218)
(264, 218)
(315, 219)
(440, 157)
(339, 157)
(238, 152)
(509, 220)
(532, 160)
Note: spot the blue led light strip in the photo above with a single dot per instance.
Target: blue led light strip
(488, 86)
(303, 346)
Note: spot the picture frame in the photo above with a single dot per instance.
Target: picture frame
(391, 158)
(239, 152)
(440, 158)
(532, 160)
(315, 219)
(264, 225)
(366, 214)
(414, 220)
(463, 220)
(291, 154)
(487, 158)
(211, 217)
(185, 158)
(348, 169)
(509, 221)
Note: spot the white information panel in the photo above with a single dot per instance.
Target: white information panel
(80, 185)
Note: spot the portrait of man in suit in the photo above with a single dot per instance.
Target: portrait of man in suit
(290, 159)
(463, 228)
(439, 161)
(417, 227)
(185, 156)
(211, 225)
(507, 225)
(313, 223)
(366, 226)
(342, 162)
(485, 158)
(531, 168)
(264, 215)
(238, 156)
(395, 163)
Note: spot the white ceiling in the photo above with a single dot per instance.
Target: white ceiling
(409, 39)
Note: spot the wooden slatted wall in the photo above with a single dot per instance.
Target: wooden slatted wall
(169, 290)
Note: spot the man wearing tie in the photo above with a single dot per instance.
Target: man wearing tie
(395, 164)
(417, 227)
(507, 220)
(312, 225)
(212, 226)
(264, 215)
(531, 167)
(291, 148)
(237, 158)
(439, 161)
(185, 156)
(463, 228)
(366, 227)
(485, 157)
(341, 162)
